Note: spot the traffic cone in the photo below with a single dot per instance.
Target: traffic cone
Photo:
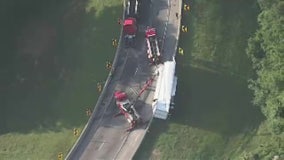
(180, 51)
(186, 7)
(184, 28)
(60, 156)
(76, 132)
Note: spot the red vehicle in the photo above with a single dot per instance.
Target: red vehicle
(130, 29)
(153, 51)
(127, 108)
(130, 22)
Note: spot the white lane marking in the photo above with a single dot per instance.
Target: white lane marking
(136, 71)
(101, 146)
(166, 26)
(136, 138)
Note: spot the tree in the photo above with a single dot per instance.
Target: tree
(266, 51)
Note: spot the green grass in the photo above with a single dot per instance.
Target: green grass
(218, 34)
(214, 118)
(35, 145)
(44, 102)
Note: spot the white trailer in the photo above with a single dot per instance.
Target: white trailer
(165, 90)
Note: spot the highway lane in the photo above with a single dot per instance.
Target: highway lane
(106, 137)
(168, 25)
(109, 135)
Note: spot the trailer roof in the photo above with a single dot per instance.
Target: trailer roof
(165, 86)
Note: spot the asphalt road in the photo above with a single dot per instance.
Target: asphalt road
(106, 137)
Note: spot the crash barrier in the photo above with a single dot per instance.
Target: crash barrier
(87, 127)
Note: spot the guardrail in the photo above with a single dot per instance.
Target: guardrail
(102, 95)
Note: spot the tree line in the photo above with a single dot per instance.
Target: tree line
(266, 51)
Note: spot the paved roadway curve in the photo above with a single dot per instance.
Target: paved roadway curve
(106, 137)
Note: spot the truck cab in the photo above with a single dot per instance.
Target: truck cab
(130, 30)
(126, 108)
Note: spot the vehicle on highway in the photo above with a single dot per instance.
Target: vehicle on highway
(130, 22)
(127, 108)
(130, 30)
(153, 51)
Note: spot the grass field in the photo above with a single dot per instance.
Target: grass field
(218, 34)
(214, 118)
(52, 59)
(54, 53)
